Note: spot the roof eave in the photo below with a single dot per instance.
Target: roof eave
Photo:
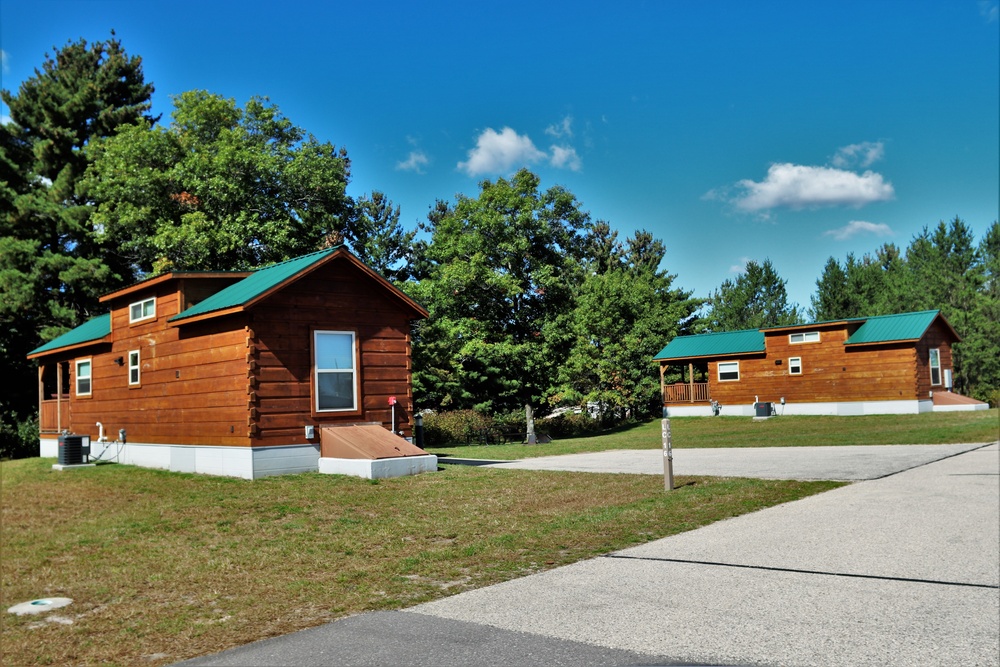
(711, 356)
(191, 319)
(69, 348)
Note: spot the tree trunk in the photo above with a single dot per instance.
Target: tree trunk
(529, 417)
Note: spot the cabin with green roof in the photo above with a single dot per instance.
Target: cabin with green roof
(891, 364)
(236, 373)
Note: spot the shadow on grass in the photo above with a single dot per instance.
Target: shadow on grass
(621, 428)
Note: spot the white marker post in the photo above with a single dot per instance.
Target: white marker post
(668, 457)
(392, 402)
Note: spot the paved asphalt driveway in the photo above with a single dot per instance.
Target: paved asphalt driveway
(898, 569)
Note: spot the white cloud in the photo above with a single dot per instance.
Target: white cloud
(499, 152)
(990, 10)
(416, 162)
(855, 227)
(861, 155)
(503, 151)
(5, 119)
(741, 267)
(565, 157)
(799, 186)
(563, 129)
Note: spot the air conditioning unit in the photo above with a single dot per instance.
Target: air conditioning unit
(74, 449)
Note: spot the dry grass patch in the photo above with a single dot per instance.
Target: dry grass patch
(165, 566)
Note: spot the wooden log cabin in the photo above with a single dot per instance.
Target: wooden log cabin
(892, 364)
(222, 373)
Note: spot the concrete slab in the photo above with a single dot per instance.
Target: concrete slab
(895, 570)
(838, 463)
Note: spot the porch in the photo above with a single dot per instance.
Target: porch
(688, 386)
(53, 397)
(692, 392)
(53, 414)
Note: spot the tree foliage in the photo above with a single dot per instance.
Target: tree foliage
(222, 187)
(378, 239)
(626, 310)
(942, 269)
(51, 260)
(497, 276)
(755, 299)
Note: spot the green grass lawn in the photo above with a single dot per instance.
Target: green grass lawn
(789, 431)
(165, 566)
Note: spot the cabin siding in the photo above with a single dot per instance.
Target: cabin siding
(336, 297)
(936, 337)
(191, 383)
(832, 372)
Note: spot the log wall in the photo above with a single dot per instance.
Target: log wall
(832, 372)
(337, 297)
(193, 380)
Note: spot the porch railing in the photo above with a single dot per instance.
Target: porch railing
(686, 393)
(54, 415)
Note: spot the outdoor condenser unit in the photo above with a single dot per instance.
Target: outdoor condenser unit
(73, 449)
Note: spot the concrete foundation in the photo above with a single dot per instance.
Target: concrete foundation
(379, 468)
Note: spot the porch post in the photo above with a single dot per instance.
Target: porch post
(41, 393)
(59, 392)
(663, 388)
(691, 380)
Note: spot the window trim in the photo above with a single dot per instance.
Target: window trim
(793, 363)
(807, 337)
(141, 304)
(137, 367)
(89, 361)
(728, 363)
(931, 353)
(354, 371)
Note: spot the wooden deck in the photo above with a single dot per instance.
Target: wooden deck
(696, 392)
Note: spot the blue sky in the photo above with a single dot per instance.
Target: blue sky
(793, 131)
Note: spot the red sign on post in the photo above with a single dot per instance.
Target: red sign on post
(392, 400)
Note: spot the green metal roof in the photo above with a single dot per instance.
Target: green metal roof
(90, 331)
(714, 344)
(255, 284)
(889, 328)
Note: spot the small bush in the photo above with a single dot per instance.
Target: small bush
(453, 428)
(18, 437)
(569, 425)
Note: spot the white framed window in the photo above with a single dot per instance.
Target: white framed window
(795, 366)
(729, 370)
(83, 377)
(934, 358)
(804, 337)
(133, 367)
(142, 310)
(334, 373)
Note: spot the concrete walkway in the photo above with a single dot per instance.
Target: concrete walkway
(805, 463)
(895, 570)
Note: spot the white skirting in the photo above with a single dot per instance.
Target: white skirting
(379, 468)
(245, 462)
(842, 408)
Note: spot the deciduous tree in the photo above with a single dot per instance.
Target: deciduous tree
(623, 316)
(222, 187)
(497, 275)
